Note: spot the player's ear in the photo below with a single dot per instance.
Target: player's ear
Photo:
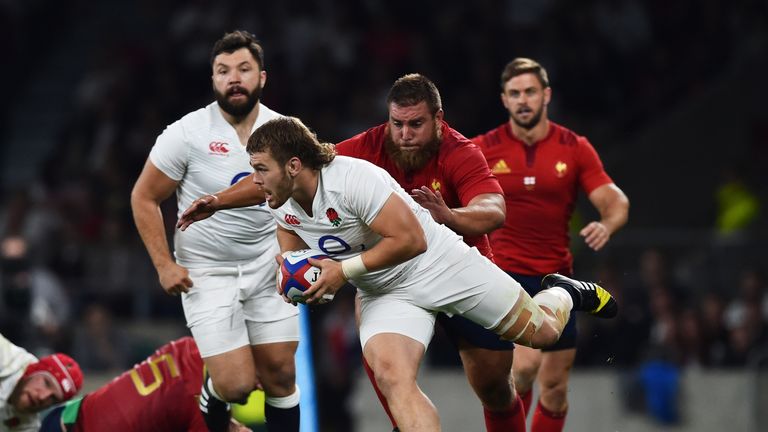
(504, 100)
(293, 166)
(439, 115)
(547, 95)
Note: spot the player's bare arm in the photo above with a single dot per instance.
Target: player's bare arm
(613, 206)
(483, 214)
(152, 188)
(288, 240)
(402, 239)
(401, 232)
(244, 193)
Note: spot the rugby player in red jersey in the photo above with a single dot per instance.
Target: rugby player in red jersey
(541, 167)
(159, 394)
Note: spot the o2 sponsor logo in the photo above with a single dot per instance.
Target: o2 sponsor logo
(333, 245)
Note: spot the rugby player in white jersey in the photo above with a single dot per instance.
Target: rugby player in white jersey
(224, 269)
(405, 265)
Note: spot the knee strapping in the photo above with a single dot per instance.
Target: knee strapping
(528, 307)
(558, 301)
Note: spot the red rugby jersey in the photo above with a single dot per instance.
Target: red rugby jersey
(541, 184)
(159, 394)
(459, 171)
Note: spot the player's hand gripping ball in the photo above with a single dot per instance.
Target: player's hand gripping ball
(296, 274)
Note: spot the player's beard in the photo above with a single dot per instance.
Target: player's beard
(410, 161)
(530, 124)
(238, 109)
(281, 192)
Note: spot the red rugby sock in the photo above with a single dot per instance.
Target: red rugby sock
(547, 421)
(527, 398)
(511, 420)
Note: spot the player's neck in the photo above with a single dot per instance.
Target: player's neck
(305, 189)
(533, 135)
(243, 125)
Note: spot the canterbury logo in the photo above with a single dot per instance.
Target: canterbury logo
(218, 147)
(292, 220)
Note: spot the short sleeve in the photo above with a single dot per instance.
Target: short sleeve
(368, 189)
(170, 154)
(470, 173)
(591, 172)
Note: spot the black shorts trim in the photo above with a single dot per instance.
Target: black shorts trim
(457, 328)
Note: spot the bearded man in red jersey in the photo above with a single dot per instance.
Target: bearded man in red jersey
(541, 166)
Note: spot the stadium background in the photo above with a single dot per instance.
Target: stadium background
(670, 93)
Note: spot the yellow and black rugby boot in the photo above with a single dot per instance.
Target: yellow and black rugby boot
(587, 296)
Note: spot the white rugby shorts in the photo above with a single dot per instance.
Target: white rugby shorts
(232, 306)
(463, 283)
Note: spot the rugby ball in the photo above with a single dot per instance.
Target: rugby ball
(296, 274)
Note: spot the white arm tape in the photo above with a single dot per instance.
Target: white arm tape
(353, 267)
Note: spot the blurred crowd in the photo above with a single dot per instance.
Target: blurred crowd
(663, 319)
(73, 270)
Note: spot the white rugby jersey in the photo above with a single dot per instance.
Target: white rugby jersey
(350, 194)
(203, 153)
(13, 362)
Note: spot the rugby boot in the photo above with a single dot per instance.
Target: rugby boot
(587, 296)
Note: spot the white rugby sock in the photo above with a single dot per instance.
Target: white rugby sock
(285, 402)
(212, 390)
